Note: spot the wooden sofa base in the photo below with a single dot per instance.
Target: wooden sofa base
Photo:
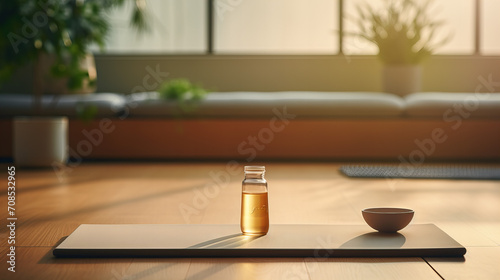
(412, 140)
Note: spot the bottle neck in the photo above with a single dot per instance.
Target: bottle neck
(254, 175)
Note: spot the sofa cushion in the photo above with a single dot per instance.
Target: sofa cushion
(107, 104)
(441, 104)
(261, 104)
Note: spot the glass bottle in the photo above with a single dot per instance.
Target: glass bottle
(254, 202)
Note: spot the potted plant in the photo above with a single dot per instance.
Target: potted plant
(55, 36)
(405, 35)
(182, 91)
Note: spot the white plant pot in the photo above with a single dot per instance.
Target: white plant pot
(402, 79)
(40, 141)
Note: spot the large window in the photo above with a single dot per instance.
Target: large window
(278, 26)
(289, 27)
(177, 26)
(490, 27)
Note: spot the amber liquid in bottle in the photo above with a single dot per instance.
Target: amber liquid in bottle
(254, 202)
(254, 213)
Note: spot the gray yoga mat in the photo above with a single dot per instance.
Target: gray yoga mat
(424, 172)
(300, 240)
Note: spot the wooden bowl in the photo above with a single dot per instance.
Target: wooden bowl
(388, 219)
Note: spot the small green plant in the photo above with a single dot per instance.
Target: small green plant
(403, 30)
(182, 91)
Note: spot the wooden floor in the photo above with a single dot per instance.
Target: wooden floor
(50, 205)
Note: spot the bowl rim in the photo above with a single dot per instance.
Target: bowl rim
(388, 210)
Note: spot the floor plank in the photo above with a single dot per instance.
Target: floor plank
(38, 263)
(479, 263)
(148, 268)
(272, 269)
(369, 268)
(490, 230)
